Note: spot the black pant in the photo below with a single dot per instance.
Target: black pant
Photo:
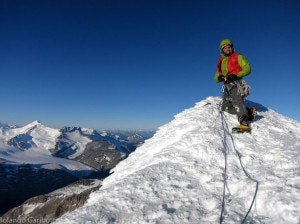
(233, 102)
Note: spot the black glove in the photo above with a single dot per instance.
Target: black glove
(231, 78)
(221, 78)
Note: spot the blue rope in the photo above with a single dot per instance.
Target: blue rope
(225, 127)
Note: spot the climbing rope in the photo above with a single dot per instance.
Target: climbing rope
(227, 133)
(225, 172)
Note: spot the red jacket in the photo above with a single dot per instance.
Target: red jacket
(233, 66)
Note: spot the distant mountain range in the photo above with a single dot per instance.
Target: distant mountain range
(36, 159)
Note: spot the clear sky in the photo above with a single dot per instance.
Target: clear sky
(137, 63)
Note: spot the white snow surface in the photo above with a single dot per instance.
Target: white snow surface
(43, 139)
(177, 176)
(74, 189)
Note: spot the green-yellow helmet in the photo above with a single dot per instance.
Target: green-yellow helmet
(225, 42)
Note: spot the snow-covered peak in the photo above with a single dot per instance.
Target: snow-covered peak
(36, 122)
(32, 125)
(177, 176)
(34, 134)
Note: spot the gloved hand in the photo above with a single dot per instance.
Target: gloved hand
(221, 78)
(230, 78)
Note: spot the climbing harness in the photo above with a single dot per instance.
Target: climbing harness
(243, 88)
(226, 134)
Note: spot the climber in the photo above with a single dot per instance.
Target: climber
(231, 69)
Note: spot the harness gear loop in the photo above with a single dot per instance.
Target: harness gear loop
(243, 88)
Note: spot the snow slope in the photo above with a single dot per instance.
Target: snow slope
(177, 176)
(34, 134)
(38, 139)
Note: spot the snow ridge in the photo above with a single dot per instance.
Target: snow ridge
(177, 175)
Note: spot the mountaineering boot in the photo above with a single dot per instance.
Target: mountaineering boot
(243, 127)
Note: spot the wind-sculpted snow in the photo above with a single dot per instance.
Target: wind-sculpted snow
(177, 176)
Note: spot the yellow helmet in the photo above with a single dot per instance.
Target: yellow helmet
(225, 42)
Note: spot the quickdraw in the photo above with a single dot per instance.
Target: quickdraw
(242, 86)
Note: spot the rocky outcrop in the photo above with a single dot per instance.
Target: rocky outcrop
(100, 155)
(21, 182)
(47, 208)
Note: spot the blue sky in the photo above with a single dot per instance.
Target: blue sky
(137, 63)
